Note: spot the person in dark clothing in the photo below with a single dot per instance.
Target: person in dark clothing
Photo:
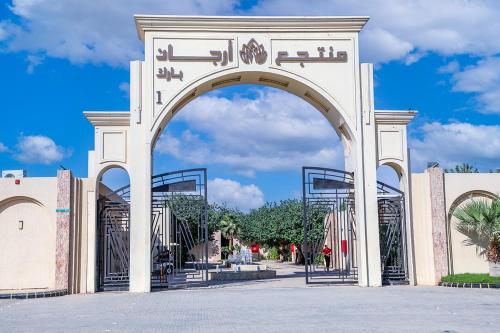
(327, 253)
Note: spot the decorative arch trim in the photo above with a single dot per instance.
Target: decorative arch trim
(459, 200)
(9, 200)
(320, 99)
(469, 195)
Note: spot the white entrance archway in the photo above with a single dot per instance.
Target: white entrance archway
(315, 58)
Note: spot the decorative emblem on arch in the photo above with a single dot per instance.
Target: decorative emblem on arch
(252, 50)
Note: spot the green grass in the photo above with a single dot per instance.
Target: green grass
(471, 278)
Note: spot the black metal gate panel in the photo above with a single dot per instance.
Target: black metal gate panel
(179, 229)
(393, 249)
(329, 218)
(114, 240)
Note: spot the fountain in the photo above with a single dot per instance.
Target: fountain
(242, 267)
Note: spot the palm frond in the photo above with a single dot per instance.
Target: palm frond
(482, 218)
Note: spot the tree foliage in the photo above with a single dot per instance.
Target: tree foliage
(190, 208)
(463, 168)
(229, 226)
(276, 224)
(281, 224)
(482, 218)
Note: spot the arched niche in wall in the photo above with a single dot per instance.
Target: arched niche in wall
(465, 249)
(27, 244)
(113, 229)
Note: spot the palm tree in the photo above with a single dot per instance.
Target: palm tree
(482, 218)
(463, 168)
(229, 227)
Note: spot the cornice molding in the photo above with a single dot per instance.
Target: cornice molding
(108, 118)
(398, 117)
(174, 23)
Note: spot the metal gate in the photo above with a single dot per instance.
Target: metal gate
(179, 229)
(114, 240)
(329, 218)
(393, 251)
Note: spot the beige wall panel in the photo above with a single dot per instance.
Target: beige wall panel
(466, 257)
(422, 228)
(27, 254)
(114, 146)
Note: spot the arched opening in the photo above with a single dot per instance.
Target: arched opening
(306, 90)
(389, 175)
(27, 245)
(253, 140)
(466, 251)
(392, 224)
(113, 229)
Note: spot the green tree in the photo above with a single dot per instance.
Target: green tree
(463, 168)
(281, 224)
(191, 208)
(482, 218)
(230, 227)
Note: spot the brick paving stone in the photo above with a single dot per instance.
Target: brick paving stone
(282, 305)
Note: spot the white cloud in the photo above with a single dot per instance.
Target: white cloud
(104, 32)
(383, 46)
(449, 68)
(91, 31)
(455, 143)
(3, 148)
(234, 194)
(400, 28)
(39, 149)
(125, 88)
(482, 79)
(273, 131)
(3, 31)
(33, 61)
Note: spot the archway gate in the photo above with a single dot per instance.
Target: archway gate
(179, 232)
(330, 219)
(179, 229)
(113, 246)
(315, 58)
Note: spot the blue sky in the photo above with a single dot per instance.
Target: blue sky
(59, 58)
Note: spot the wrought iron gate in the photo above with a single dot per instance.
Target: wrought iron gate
(329, 218)
(114, 240)
(393, 251)
(179, 229)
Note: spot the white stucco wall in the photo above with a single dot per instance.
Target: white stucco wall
(466, 257)
(422, 229)
(27, 255)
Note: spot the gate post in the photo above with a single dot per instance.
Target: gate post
(140, 161)
(140, 220)
(370, 270)
(410, 249)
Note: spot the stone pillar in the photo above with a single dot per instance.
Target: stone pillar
(91, 237)
(438, 215)
(63, 211)
(140, 172)
(140, 221)
(366, 200)
(91, 212)
(406, 187)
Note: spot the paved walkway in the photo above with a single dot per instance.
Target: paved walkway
(282, 305)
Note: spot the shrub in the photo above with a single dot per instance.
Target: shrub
(319, 260)
(470, 278)
(274, 253)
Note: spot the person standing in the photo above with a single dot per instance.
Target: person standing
(327, 253)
